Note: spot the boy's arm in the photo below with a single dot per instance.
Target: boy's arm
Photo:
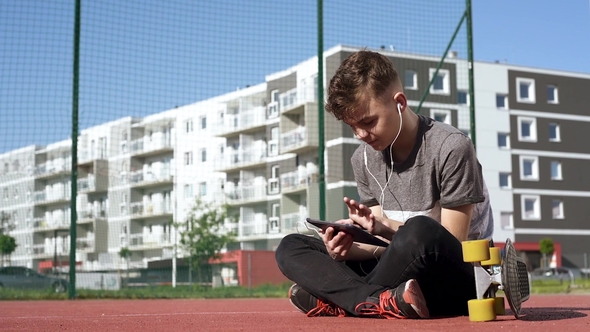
(457, 220)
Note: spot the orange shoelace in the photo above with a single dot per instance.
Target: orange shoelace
(326, 309)
(386, 300)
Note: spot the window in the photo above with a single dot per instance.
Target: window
(557, 209)
(552, 94)
(188, 125)
(554, 133)
(556, 170)
(273, 182)
(525, 90)
(102, 148)
(527, 129)
(124, 141)
(273, 144)
(531, 209)
(443, 116)
(503, 140)
(188, 158)
(411, 80)
(506, 220)
(5, 193)
(529, 168)
(203, 122)
(502, 101)
(440, 84)
(203, 155)
(505, 180)
(462, 98)
(188, 190)
(203, 188)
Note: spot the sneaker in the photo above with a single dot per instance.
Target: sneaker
(311, 305)
(405, 301)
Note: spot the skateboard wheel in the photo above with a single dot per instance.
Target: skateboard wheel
(476, 250)
(499, 306)
(495, 257)
(481, 310)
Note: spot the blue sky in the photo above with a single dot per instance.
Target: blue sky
(141, 57)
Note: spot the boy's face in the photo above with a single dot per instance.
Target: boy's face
(376, 121)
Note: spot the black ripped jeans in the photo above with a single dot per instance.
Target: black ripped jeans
(422, 249)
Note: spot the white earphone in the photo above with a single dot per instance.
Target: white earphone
(382, 196)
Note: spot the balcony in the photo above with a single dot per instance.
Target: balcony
(257, 227)
(298, 180)
(53, 168)
(141, 210)
(85, 216)
(46, 197)
(141, 179)
(290, 222)
(51, 224)
(293, 139)
(147, 240)
(244, 158)
(288, 100)
(244, 194)
(247, 121)
(151, 145)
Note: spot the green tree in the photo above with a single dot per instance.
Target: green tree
(7, 247)
(546, 247)
(203, 236)
(125, 253)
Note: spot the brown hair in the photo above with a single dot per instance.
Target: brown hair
(363, 74)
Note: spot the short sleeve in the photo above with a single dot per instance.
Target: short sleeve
(461, 180)
(366, 196)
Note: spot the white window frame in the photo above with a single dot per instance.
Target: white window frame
(507, 146)
(505, 98)
(414, 85)
(533, 129)
(556, 94)
(559, 175)
(531, 90)
(274, 181)
(510, 220)
(560, 213)
(535, 168)
(536, 207)
(509, 176)
(446, 90)
(447, 113)
(557, 137)
(203, 122)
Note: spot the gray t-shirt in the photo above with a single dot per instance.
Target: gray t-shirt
(442, 171)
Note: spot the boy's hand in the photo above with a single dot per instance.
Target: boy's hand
(338, 244)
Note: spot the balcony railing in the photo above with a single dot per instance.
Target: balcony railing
(297, 179)
(288, 99)
(244, 157)
(51, 223)
(87, 184)
(294, 138)
(154, 240)
(91, 214)
(147, 144)
(247, 193)
(258, 227)
(290, 222)
(250, 118)
(141, 177)
(140, 209)
(54, 167)
(44, 196)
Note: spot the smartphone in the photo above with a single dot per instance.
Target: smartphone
(358, 234)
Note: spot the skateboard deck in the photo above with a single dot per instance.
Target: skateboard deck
(515, 280)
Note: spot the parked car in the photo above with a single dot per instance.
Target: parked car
(552, 273)
(24, 278)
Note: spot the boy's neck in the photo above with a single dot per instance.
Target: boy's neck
(407, 138)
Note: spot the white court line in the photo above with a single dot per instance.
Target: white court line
(155, 314)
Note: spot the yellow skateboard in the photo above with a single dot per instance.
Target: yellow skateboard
(494, 271)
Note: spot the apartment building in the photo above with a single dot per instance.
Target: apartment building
(531, 126)
(257, 150)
